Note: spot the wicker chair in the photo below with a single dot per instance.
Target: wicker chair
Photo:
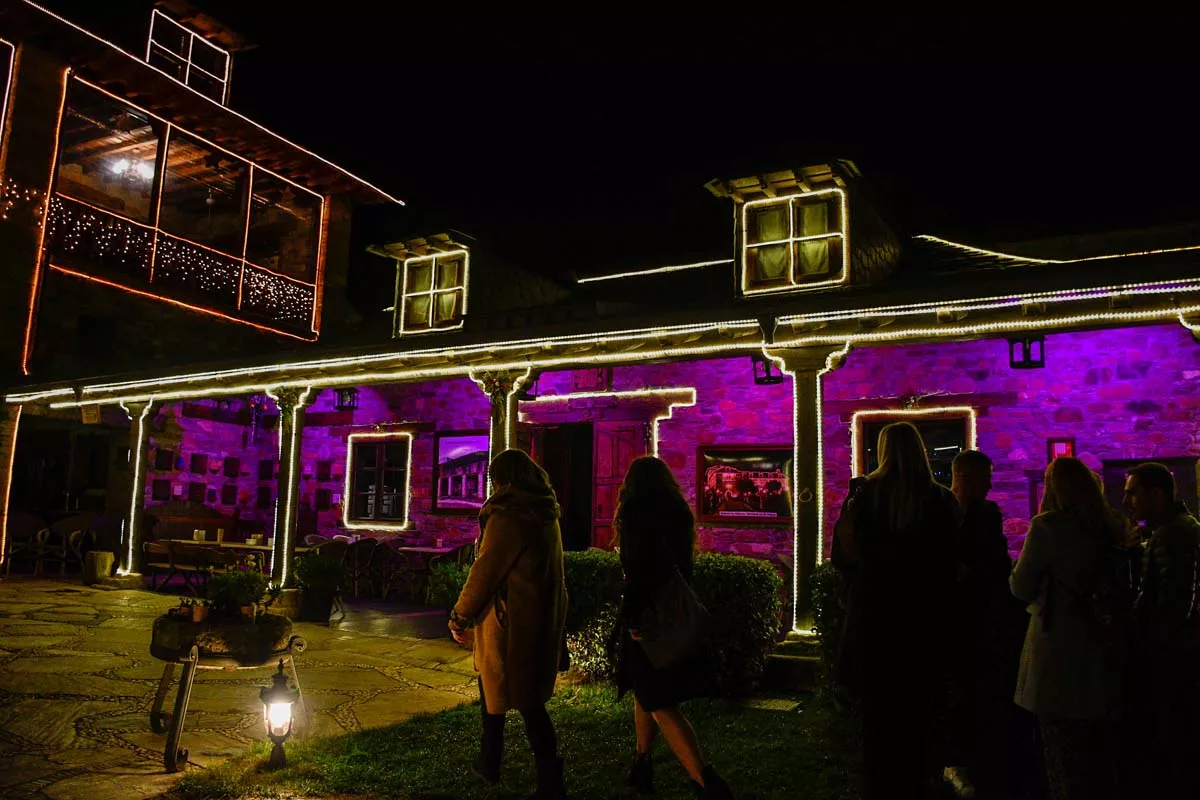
(22, 540)
(359, 561)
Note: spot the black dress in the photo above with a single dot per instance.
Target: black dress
(656, 539)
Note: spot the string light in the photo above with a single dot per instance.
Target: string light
(347, 497)
(979, 251)
(466, 351)
(12, 61)
(154, 13)
(894, 413)
(135, 501)
(39, 265)
(638, 273)
(223, 108)
(790, 201)
(5, 501)
(686, 395)
(433, 292)
(286, 539)
(180, 304)
(15, 198)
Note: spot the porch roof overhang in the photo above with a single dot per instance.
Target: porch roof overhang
(1038, 298)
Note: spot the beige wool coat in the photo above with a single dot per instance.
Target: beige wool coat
(1069, 668)
(515, 599)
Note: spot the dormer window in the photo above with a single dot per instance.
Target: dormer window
(794, 242)
(188, 57)
(432, 292)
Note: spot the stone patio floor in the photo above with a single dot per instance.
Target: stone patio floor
(77, 682)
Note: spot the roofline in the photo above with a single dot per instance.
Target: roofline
(224, 108)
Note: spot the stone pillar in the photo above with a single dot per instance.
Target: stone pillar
(502, 389)
(10, 421)
(130, 557)
(806, 365)
(291, 403)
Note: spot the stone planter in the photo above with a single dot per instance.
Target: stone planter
(315, 605)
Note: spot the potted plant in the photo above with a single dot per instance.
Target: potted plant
(319, 577)
(194, 608)
(236, 593)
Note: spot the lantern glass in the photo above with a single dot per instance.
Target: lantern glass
(279, 718)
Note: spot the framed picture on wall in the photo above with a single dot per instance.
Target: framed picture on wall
(745, 484)
(460, 462)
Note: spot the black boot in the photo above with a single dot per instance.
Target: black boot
(550, 780)
(714, 787)
(487, 770)
(641, 775)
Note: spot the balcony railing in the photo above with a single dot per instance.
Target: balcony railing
(92, 243)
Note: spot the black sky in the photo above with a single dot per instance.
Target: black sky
(572, 143)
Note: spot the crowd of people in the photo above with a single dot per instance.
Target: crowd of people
(1074, 674)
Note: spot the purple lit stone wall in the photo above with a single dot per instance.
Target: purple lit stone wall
(731, 410)
(1122, 393)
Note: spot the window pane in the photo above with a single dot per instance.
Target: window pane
(396, 455)
(416, 312)
(767, 265)
(207, 85)
(284, 227)
(208, 58)
(816, 258)
(169, 35)
(364, 455)
(767, 223)
(420, 277)
(449, 273)
(202, 195)
(168, 62)
(815, 217)
(446, 307)
(108, 153)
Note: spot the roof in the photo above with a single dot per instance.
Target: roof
(129, 76)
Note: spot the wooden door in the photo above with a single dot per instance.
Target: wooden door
(615, 446)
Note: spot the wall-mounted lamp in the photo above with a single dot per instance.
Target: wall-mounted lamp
(1027, 352)
(766, 371)
(347, 399)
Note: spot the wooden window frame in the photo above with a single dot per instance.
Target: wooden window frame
(381, 441)
(402, 327)
(836, 274)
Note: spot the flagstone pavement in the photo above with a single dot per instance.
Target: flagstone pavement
(77, 682)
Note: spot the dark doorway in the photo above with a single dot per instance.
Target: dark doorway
(60, 471)
(566, 454)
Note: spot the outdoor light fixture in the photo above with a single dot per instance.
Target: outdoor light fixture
(766, 371)
(1027, 352)
(277, 700)
(347, 399)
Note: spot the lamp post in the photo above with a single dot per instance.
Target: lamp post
(278, 700)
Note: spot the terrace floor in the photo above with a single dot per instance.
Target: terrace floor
(77, 682)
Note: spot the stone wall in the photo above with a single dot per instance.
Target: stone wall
(730, 410)
(1121, 393)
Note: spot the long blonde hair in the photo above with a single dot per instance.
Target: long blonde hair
(904, 476)
(1073, 489)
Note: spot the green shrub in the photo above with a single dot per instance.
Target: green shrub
(743, 596)
(229, 591)
(446, 580)
(829, 612)
(594, 590)
(320, 573)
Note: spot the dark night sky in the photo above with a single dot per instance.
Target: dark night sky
(563, 143)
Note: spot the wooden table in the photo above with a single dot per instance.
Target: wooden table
(423, 550)
(254, 551)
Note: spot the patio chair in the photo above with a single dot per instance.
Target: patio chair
(192, 561)
(22, 539)
(359, 557)
(397, 570)
(157, 558)
(335, 550)
(52, 549)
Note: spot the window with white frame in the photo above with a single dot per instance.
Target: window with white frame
(432, 292)
(188, 57)
(793, 242)
(378, 479)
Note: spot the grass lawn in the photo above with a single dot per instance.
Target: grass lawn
(808, 751)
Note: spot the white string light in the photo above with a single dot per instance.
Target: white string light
(8, 476)
(686, 395)
(979, 251)
(135, 502)
(293, 481)
(347, 496)
(638, 273)
(967, 412)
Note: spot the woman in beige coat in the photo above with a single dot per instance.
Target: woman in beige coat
(515, 603)
(1071, 664)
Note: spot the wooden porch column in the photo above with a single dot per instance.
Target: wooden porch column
(502, 389)
(130, 557)
(291, 403)
(806, 365)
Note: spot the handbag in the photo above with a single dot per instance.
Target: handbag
(673, 626)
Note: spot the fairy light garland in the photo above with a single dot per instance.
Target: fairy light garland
(276, 297)
(685, 398)
(347, 496)
(898, 414)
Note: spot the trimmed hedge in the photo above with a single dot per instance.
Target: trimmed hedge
(829, 614)
(742, 594)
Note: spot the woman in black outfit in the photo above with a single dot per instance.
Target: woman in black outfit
(656, 534)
